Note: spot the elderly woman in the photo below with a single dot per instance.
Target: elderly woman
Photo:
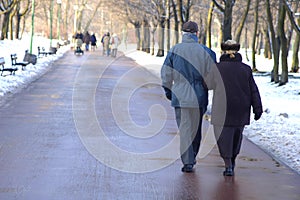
(234, 93)
(115, 42)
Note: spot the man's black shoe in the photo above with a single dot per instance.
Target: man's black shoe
(233, 163)
(187, 168)
(228, 171)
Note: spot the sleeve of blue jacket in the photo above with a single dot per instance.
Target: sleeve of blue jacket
(211, 53)
(167, 75)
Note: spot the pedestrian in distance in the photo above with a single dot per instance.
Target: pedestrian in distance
(93, 42)
(103, 46)
(106, 42)
(87, 40)
(234, 93)
(115, 42)
(182, 76)
(78, 42)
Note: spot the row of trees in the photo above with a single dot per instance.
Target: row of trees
(269, 25)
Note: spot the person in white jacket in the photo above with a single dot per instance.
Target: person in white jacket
(115, 42)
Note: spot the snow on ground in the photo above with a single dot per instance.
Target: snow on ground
(10, 84)
(277, 132)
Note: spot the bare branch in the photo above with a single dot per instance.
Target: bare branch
(291, 17)
(219, 5)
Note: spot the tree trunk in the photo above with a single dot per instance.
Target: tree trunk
(275, 44)
(255, 36)
(161, 38)
(180, 12)
(137, 27)
(295, 59)
(242, 23)
(66, 21)
(93, 14)
(267, 43)
(4, 30)
(227, 23)
(208, 25)
(219, 32)
(146, 36)
(246, 44)
(23, 27)
(202, 31)
(284, 44)
(11, 31)
(19, 16)
(259, 43)
(153, 41)
(176, 23)
(18, 25)
(168, 26)
(187, 11)
(79, 19)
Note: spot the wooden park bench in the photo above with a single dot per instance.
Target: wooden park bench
(28, 58)
(62, 43)
(14, 61)
(12, 70)
(42, 51)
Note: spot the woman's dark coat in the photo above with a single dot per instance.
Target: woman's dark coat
(93, 40)
(232, 106)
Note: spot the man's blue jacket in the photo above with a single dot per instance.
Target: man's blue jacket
(183, 70)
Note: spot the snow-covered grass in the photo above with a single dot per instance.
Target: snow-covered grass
(277, 131)
(10, 84)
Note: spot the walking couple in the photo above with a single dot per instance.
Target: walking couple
(189, 71)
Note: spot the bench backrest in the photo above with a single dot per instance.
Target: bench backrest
(41, 49)
(2, 61)
(31, 58)
(13, 58)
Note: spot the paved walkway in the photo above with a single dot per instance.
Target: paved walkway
(68, 136)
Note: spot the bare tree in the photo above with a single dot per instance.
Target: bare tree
(20, 14)
(6, 7)
(135, 21)
(208, 24)
(283, 43)
(242, 22)
(295, 24)
(295, 59)
(92, 16)
(255, 35)
(146, 35)
(176, 22)
(227, 18)
(275, 43)
(267, 42)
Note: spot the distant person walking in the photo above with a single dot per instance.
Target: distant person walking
(106, 42)
(103, 46)
(78, 40)
(115, 42)
(182, 79)
(93, 42)
(87, 40)
(234, 93)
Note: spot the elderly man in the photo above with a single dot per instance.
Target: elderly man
(182, 79)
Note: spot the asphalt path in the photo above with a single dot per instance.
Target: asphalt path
(94, 127)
